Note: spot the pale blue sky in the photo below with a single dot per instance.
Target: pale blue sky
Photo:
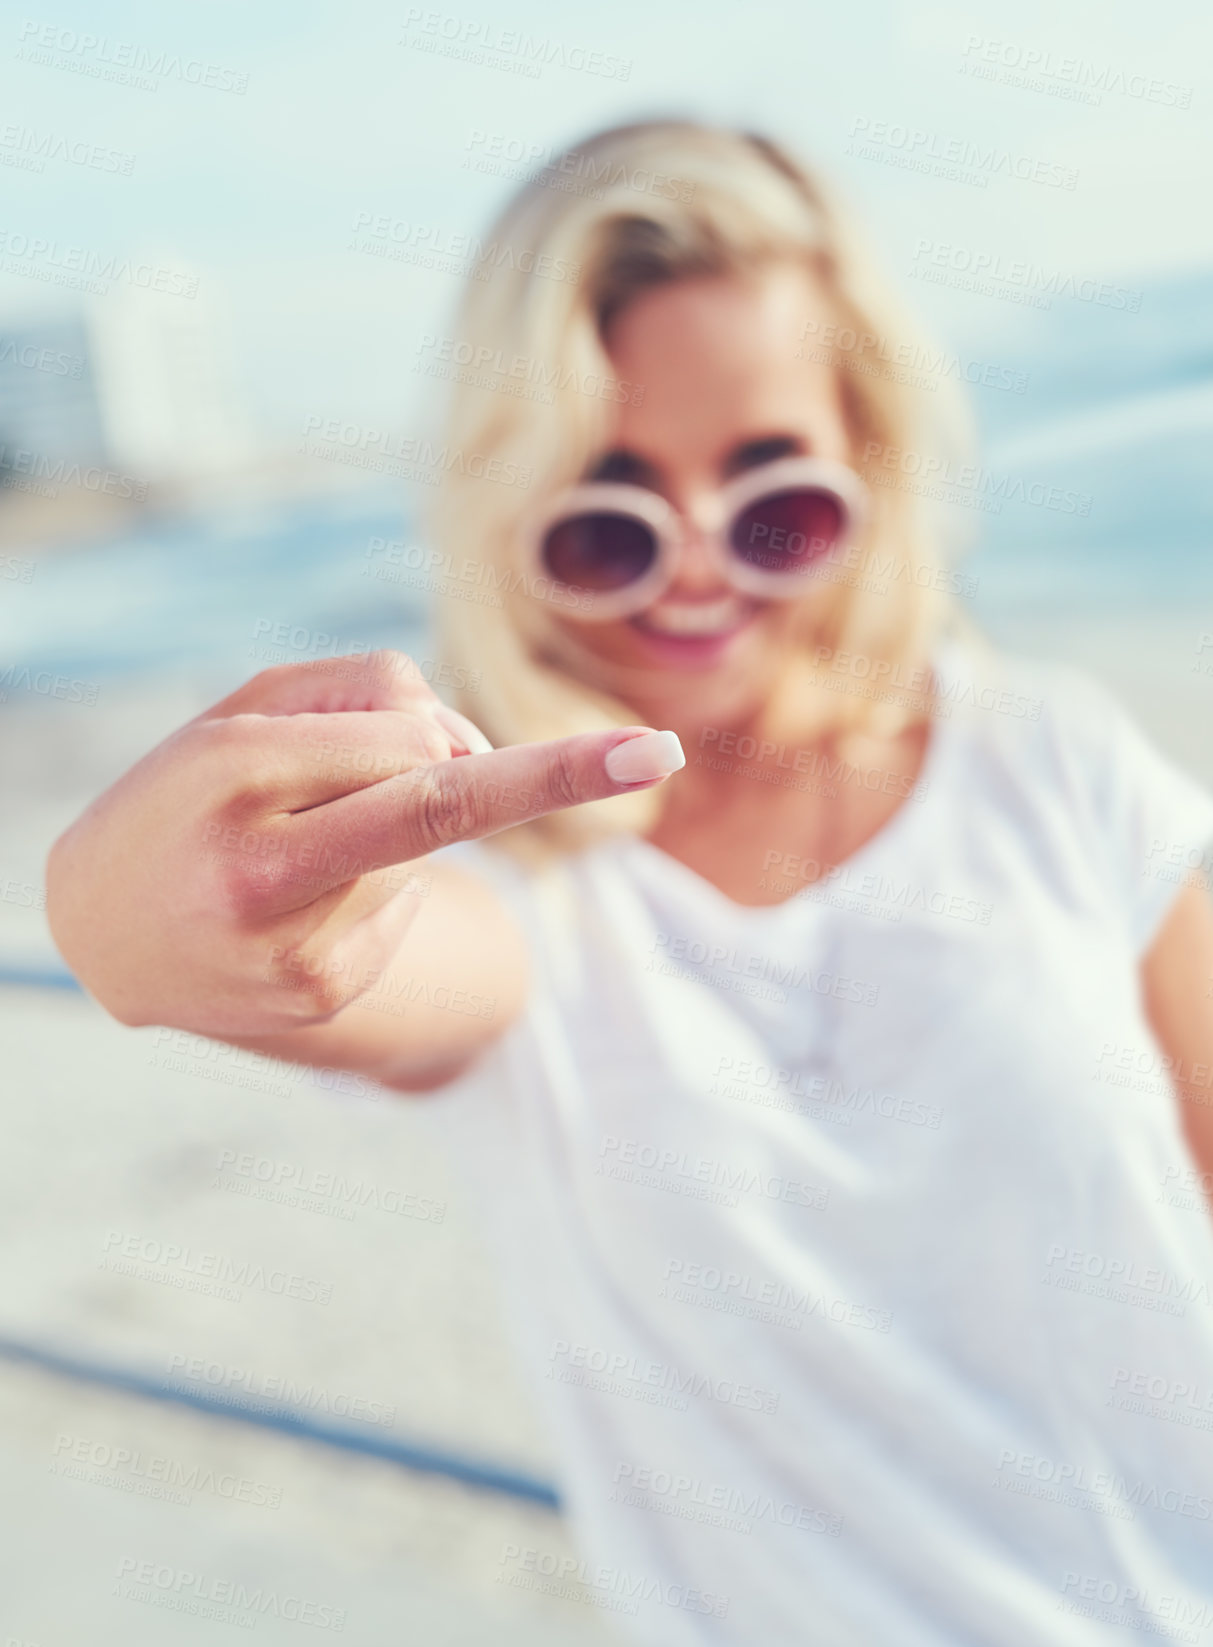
(259, 192)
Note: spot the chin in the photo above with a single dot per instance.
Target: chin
(718, 691)
(706, 662)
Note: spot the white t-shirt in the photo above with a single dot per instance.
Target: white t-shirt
(854, 1242)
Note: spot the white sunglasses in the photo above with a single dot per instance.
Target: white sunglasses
(615, 546)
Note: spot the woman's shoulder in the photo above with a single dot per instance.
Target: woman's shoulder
(1052, 744)
(1047, 711)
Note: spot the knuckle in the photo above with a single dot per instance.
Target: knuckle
(433, 744)
(307, 984)
(393, 675)
(232, 732)
(249, 885)
(309, 998)
(562, 779)
(240, 767)
(327, 997)
(447, 810)
(240, 763)
(264, 685)
(395, 665)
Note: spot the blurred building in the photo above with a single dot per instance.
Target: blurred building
(140, 383)
(169, 403)
(49, 401)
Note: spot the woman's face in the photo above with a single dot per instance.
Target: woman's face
(727, 388)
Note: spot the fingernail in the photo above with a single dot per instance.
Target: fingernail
(640, 760)
(468, 734)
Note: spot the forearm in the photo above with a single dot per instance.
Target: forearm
(1197, 1112)
(1178, 987)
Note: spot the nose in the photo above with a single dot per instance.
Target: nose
(697, 574)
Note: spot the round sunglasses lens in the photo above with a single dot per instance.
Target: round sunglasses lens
(787, 531)
(599, 551)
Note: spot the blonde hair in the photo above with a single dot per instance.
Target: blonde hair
(632, 208)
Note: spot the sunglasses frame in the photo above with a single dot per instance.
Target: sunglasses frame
(670, 532)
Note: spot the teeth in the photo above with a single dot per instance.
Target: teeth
(670, 617)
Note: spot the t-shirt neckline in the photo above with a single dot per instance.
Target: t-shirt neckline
(907, 817)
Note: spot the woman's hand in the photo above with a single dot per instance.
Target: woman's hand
(247, 878)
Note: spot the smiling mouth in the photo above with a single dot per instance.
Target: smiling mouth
(696, 620)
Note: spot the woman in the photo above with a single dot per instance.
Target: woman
(825, 1097)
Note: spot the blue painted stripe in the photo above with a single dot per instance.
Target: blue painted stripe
(39, 977)
(470, 1472)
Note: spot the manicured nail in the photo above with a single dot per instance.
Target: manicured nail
(462, 729)
(640, 760)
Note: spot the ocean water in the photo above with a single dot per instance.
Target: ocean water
(219, 593)
(1117, 411)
